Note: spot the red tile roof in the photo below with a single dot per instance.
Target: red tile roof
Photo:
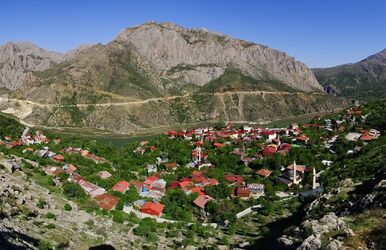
(136, 183)
(185, 184)
(302, 138)
(71, 168)
(107, 201)
(199, 179)
(213, 181)
(201, 200)
(366, 136)
(218, 145)
(198, 190)
(58, 158)
(153, 208)
(299, 168)
(170, 165)
(121, 186)
(243, 192)
(149, 180)
(284, 147)
(234, 178)
(269, 150)
(174, 184)
(264, 172)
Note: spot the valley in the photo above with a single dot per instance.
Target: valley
(52, 182)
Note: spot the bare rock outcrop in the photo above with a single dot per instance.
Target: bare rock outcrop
(167, 46)
(18, 60)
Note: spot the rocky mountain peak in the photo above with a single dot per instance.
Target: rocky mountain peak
(18, 59)
(198, 56)
(169, 55)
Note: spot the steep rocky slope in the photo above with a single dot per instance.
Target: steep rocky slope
(365, 79)
(19, 60)
(157, 74)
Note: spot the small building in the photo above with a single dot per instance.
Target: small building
(218, 145)
(12, 145)
(269, 150)
(243, 192)
(151, 168)
(353, 136)
(58, 158)
(90, 188)
(69, 168)
(121, 186)
(234, 179)
(302, 139)
(152, 208)
(149, 180)
(299, 168)
(104, 175)
(202, 200)
(264, 172)
(53, 170)
(256, 188)
(186, 184)
(170, 165)
(107, 201)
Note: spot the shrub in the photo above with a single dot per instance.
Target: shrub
(152, 237)
(50, 215)
(41, 203)
(67, 207)
(44, 245)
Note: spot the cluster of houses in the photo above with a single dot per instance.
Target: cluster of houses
(154, 187)
(247, 134)
(26, 139)
(83, 152)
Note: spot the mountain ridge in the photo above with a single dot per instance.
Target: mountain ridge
(365, 79)
(157, 61)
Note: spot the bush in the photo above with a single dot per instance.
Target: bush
(51, 182)
(50, 226)
(41, 203)
(152, 237)
(50, 215)
(73, 190)
(44, 245)
(67, 207)
(118, 216)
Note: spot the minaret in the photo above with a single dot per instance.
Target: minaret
(199, 154)
(314, 178)
(294, 174)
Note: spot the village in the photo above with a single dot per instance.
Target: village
(265, 164)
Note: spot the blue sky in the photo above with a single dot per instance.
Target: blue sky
(320, 33)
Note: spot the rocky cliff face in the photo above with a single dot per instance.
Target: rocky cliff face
(19, 60)
(199, 56)
(146, 70)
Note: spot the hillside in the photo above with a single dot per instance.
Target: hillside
(364, 80)
(49, 202)
(143, 72)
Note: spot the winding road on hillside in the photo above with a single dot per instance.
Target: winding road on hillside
(156, 99)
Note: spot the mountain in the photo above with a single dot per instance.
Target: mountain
(19, 60)
(365, 79)
(157, 74)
